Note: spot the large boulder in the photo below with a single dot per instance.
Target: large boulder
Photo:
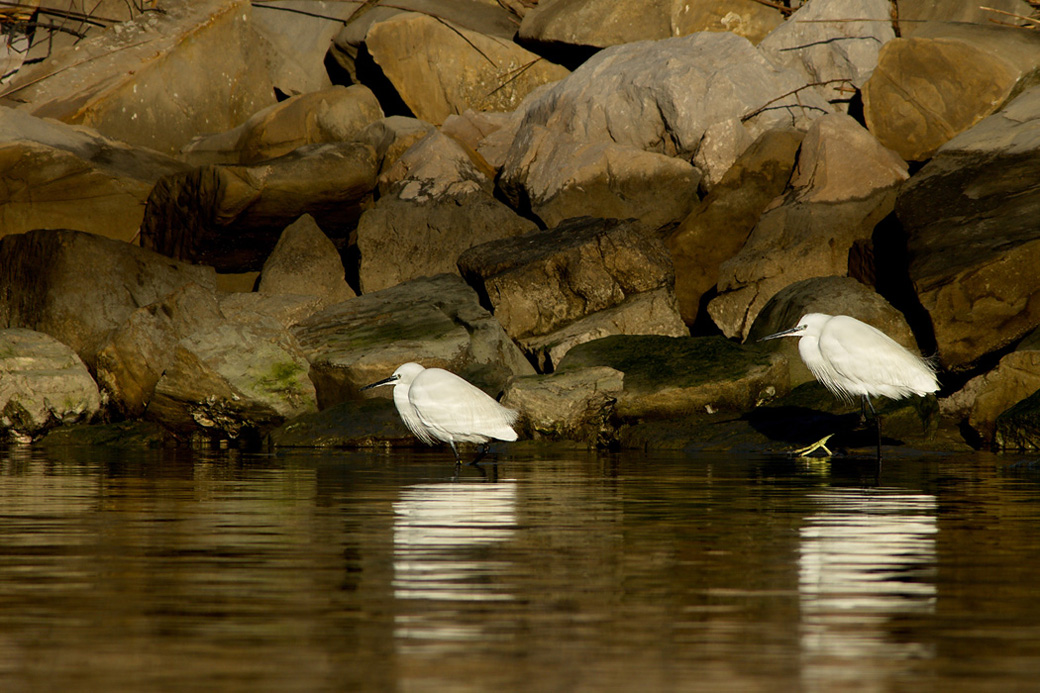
(974, 244)
(830, 296)
(43, 384)
(156, 81)
(602, 23)
(844, 184)
(305, 262)
(437, 203)
(574, 405)
(672, 376)
(944, 79)
(231, 378)
(437, 321)
(232, 216)
(335, 114)
(77, 287)
(543, 281)
(719, 225)
(54, 175)
(917, 15)
(439, 69)
(981, 401)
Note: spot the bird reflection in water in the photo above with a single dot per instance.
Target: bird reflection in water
(867, 560)
(444, 567)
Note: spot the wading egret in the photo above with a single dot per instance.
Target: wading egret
(852, 358)
(436, 404)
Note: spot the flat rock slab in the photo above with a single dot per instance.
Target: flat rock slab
(436, 321)
(540, 282)
(77, 287)
(576, 404)
(352, 424)
(666, 376)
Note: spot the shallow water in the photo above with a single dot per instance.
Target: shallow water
(134, 571)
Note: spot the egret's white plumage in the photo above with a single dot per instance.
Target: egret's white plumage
(854, 359)
(436, 404)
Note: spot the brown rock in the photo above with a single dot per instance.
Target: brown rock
(305, 261)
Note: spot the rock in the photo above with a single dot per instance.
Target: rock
(119, 435)
(661, 96)
(561, 178)
(982, 400)
(845, 183)
(437, 204)
(299, 33)
(831, 296)
(439, 69)
(77, 21)
(470, 128)
(543, 281)
(825, 51)
(43, 384)
(335, 114)
(602, 23)
(231, 216)
(670, 376)
(1018, 428)
(349, 50)
(971, 218)
(697, 247)
(353, 424)
(304, 261)
(62, 176)
(649, 312)
(723, 144)
(77, 287)
(232, 378)
(391, 137)
(573, 405)
(287, 309)
(436, 321)
(136, 353)
(943, 80)
(156, 81)
(915, 15)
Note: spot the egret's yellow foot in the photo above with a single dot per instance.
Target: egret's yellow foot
(821, 444)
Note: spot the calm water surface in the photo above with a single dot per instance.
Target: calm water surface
(161, 571)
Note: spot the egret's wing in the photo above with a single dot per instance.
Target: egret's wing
(448, 404)
(865, 360)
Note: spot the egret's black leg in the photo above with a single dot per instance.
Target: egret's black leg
(877, 424)
(458, 460)
(480, 455)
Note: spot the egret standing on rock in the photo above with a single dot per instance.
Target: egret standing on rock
(436, 404)
(853, 358)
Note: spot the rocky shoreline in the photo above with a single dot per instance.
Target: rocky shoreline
(221, 219)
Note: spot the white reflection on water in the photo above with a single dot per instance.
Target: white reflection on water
(442, 533)
(866, 558)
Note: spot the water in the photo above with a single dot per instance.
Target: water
(152, 571)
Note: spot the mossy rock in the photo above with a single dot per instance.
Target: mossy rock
(351, 424)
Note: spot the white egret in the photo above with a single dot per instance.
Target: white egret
(852, 358)
(436, 404)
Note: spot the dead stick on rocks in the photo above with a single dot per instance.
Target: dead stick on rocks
(1010, 14)
(28, 84)
(516, 75)
(752, 114)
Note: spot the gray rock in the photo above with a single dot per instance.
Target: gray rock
(77, 287)
(561, 178)
(158, 80)
(437, 321)
(43, 384)
(844, 184)
(838, 50)
(573, 405)
(942, 81)
(134, 356)
(335, 114)
(231, 216)
(437, 204)
(543, 281)
(305, 262)
(231, 378)
(670, 376)
(915, 15)
(439, 69)
(648, 312)
(719, 225)
(831, 296)
(54, 175)
(393, 136)
(971, 218)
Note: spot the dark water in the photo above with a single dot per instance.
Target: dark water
(561, 572)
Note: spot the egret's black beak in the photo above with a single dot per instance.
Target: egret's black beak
(785, 333)
(384, 381)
